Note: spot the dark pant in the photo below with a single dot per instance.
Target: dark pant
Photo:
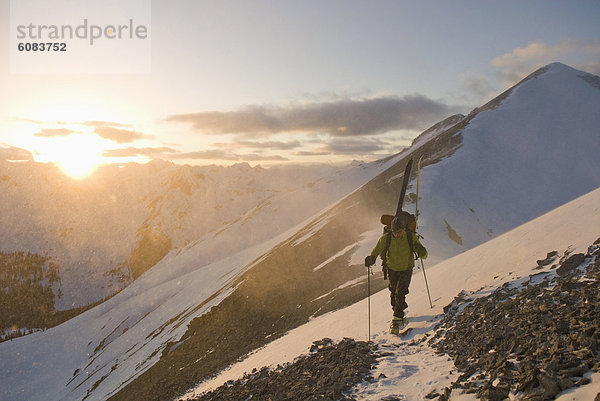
(399, 282)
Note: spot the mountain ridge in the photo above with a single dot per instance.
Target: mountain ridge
(191, 309)
(106, 231)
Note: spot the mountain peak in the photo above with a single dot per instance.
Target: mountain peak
(556, 69)
(557, 66)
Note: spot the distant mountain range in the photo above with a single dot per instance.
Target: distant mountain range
(103, 232)
(292, 253)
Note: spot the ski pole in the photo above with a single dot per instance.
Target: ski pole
(426, 285)
(416, 217)
(418, 181)
(369, 298)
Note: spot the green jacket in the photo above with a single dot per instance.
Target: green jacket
(399, 257)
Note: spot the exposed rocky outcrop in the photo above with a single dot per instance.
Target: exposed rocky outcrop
(535, 339)
(328, 372)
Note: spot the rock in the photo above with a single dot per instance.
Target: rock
(319, 344)
(571, 263)
(550, 257)
(326, 373)
(550, 386)
(583, 381)
(565, 383)
(548, 328)
(493, 393)
(534, 396)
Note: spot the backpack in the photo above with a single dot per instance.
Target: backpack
(402, 220)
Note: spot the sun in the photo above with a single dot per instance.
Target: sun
(77, 155)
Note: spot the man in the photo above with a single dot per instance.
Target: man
(398, 248)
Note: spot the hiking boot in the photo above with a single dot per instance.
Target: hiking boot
(396, 324)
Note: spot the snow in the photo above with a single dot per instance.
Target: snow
(111, 343)
(108, 346)
(420, 370)
(105, 348)
(349, 283)
(413, 371)
(334, 257)
(587, 392)
(90, 228)
(528, 144)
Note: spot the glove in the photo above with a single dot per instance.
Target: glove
(370, 260)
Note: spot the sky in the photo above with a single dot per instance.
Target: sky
(269, 82)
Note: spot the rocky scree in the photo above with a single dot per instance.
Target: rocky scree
(328, 372)
(532, 339)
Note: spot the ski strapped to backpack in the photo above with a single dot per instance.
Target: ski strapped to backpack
(404, 219)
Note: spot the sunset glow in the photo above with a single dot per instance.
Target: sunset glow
(206, 83)
(77, 155)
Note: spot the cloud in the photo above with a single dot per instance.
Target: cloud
(216, 154)
(514, 66)
(342, 118)
(113, 131)
(119, 135)
(15, 154)
(347, 146)
(54, 132)
(259, 145)
(312, 153)
(172, 154)
(98, 124)
(354, 146)
(222, 155)
(478, 88)
(258, 158)
(149, 152)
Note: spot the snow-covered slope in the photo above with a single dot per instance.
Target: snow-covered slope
(529, 151)
(180, 321)
(414, 370)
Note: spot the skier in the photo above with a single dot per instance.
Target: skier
(398, 247)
